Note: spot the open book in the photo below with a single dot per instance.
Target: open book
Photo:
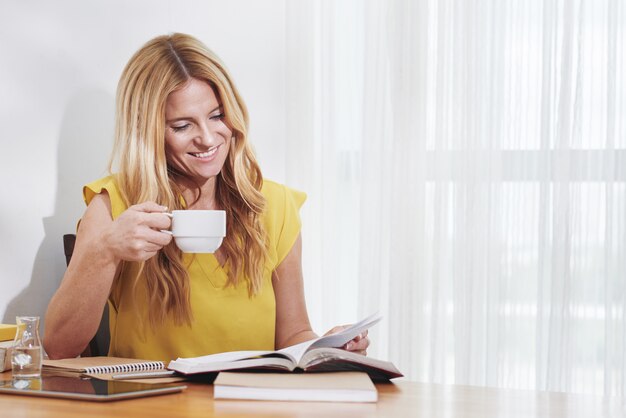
(319, 355)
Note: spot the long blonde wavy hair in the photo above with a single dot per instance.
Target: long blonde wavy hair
(161, 66)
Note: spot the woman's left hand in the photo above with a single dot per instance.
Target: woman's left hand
(357, 345)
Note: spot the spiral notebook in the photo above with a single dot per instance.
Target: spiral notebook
(111, 368)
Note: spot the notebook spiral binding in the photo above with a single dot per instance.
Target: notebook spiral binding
(123, 368)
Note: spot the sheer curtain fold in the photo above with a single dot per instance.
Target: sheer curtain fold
(464, 164)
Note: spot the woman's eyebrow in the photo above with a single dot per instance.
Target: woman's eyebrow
(177, 119)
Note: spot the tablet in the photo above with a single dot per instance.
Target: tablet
(85, 389)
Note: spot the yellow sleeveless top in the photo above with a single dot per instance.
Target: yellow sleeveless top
(224, 318)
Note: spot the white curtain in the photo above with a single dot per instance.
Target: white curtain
(466, 169)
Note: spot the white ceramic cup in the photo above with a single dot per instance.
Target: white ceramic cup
(198, 231)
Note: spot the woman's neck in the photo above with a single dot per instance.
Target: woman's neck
(206, 199)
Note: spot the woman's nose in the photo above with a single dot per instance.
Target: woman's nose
(206, 137)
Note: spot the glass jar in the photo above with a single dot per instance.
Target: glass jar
(26, 356)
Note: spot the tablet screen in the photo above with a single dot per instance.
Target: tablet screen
(84, 388)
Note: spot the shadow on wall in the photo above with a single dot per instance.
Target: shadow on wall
(85, 142)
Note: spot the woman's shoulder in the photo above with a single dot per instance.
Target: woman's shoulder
(278, 195)
(282, 217)
(102, 183)
(109, 185)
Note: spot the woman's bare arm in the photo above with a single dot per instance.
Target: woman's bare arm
(292, 319)
(75, 310)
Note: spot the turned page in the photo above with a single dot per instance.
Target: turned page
(295, 352)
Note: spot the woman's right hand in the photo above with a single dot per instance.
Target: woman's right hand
(136, 234)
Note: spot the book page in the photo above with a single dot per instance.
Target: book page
(276, 363)
(223, 357)
(334, 340)
(339, 339)
(295, 352)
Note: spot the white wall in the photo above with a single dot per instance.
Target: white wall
(59, 66)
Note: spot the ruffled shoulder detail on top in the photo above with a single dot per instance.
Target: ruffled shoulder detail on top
(282, 216)
(108, 184)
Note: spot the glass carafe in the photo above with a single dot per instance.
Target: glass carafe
(26, 356)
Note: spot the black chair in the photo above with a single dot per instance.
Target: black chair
(99, 344)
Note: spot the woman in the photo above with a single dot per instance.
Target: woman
(181, 143)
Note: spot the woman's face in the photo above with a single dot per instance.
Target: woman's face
(197, 138)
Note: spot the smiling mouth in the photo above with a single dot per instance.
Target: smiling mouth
(205, 154)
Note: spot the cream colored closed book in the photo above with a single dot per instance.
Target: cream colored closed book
(326, 387)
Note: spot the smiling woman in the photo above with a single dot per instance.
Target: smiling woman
(181, 143)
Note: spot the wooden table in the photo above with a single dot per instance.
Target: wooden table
(399, 399)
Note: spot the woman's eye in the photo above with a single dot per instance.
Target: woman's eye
(217, 117)
(180, 128)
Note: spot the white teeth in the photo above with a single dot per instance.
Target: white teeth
(204, 154)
